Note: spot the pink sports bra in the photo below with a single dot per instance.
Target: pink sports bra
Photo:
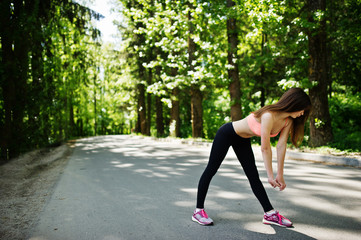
(256, 126)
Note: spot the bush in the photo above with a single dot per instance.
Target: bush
(346, 121)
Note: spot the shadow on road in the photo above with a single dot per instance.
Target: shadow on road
(142, 188)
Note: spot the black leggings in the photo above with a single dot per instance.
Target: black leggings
(226, 137)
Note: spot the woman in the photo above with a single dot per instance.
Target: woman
(287, 116)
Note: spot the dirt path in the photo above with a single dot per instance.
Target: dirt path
(26, 183)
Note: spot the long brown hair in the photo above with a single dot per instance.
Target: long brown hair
(294, 100)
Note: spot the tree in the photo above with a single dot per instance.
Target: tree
(196, 94)
(28, 78)
(15, 69)
(320, 128)
(174, 123)
(7, 85)
(233, 72)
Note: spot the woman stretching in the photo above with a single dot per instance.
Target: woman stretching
(286, 116)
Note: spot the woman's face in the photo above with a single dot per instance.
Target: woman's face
(297, 114)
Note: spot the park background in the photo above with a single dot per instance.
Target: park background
(178, 68)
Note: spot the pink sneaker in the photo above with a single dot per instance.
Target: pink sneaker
(202, 218)
(276, 219)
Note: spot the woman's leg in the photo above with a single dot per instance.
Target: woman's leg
(244, 153)
(220, 146)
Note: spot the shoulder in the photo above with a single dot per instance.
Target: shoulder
(267, 116)
(267, 120)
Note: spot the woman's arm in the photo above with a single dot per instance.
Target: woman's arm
(266, 127)
(281, 153)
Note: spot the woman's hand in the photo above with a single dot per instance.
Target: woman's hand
(281, 182)
(273, 182)
(278, 182)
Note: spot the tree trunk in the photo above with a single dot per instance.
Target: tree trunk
(142, 125)
(7, 84)
(159, 116)
(71, 114)
(233, 73)
(263, 70)
(149, 102)
(320, 127)
(95, 105)
(38, 102)
(158, 100)
(19, 79)
(141, 109)
(174, 125)
(196, 95)
(197, 111)
(36, 98)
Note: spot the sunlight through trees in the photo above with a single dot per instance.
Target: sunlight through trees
(181, 68)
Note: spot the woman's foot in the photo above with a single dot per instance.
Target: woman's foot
(276, 219)
(201, 217)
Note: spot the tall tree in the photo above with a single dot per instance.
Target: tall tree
(320, 128)
(174, 125)
(28, 97)
(140, 58)
(15, 59)
(233, 72)
(7, 71)
(142, 122)
(196, 94)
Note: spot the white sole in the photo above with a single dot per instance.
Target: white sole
(195, 220)
(273, 223)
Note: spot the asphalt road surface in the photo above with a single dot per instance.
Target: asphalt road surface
(123, 187)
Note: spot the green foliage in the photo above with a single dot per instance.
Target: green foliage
(60, 93)
(273, 50)
(344, 29)
(216, 112)
(345, 111)
(69, 84)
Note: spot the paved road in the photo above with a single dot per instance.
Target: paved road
(121, 187)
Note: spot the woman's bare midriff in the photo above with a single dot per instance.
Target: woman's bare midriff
(242, 129)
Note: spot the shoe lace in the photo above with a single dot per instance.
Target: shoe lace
(280, 218)
(203, 214)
